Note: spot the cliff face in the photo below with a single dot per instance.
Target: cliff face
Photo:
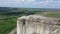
(36, 24)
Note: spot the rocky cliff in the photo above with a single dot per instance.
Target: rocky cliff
(37, 24)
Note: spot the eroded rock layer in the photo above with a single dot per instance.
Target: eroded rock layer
(36, 24)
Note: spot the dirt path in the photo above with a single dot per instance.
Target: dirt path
(13, 31)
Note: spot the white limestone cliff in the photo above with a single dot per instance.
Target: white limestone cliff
(37, 24)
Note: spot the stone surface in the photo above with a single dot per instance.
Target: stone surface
(37, 24)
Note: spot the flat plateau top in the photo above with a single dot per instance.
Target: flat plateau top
(38, 18)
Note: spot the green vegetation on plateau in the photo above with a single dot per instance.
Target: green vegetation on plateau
(53, 15)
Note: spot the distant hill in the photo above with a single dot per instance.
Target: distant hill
(7, 9)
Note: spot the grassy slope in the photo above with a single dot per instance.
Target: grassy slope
(53, 14)
(7, 24)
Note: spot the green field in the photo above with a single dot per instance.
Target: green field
(7, 24)
(53, 15)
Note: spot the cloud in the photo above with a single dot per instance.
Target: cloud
(48, 3)
(30, 3)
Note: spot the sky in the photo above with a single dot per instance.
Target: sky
(30, 3)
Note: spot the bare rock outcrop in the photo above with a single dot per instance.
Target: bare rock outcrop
(37, 24)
